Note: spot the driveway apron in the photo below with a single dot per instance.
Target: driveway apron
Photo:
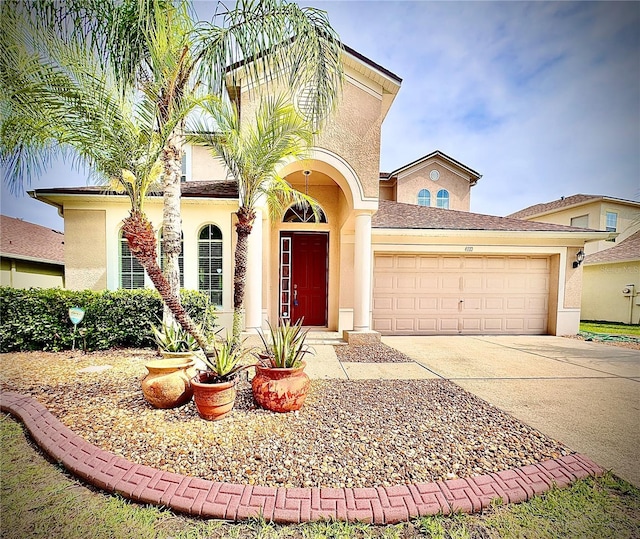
(584, 394)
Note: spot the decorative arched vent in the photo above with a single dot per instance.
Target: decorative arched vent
(302, 213)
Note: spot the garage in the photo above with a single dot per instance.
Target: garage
(424, 294)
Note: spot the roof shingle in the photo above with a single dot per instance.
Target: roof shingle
(399, 215)
(563, 202)
(22, 239)
(626, 250)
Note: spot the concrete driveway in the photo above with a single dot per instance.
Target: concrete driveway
(584, 394)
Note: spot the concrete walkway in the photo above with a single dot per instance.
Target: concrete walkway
(584, 394)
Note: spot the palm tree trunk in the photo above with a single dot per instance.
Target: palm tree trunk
(171, 220)
(244, 226)
(142, 242)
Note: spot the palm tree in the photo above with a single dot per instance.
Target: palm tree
(158, 47)
(252, 152)
(54, 98)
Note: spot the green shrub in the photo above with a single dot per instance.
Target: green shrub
(38, 319)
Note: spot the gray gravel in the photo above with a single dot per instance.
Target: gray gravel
(370, 353)
(349, 433)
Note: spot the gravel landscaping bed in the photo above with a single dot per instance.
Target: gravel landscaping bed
(370, 353)
(349, 433)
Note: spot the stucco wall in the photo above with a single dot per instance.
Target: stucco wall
(602, 297)
(203, 166)
(573, 281)
(418, 178)
(85, 249)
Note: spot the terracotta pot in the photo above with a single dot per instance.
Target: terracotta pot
(280, 390)
(167, 384)
(214, 400)
(177, 355)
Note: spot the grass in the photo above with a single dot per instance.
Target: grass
(39, 500)
(610, 328)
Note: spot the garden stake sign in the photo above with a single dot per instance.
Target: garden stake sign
(76, 314)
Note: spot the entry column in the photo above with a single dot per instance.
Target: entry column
(362, 283)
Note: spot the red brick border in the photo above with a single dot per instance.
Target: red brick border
(194, 496)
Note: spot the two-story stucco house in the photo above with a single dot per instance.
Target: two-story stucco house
(611, 278)
(393, 253)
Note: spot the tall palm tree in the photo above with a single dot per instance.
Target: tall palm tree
(252, 150)
(157, 46)
(54, 98)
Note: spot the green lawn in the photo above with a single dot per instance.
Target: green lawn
(39, 500)
(610, 328)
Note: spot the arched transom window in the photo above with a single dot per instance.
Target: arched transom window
(210, 263)
(302, 213)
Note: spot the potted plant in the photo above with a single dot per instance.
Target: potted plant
(280, 383)
(214, 391)
(167, 384)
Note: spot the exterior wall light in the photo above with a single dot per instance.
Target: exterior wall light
(579, 258)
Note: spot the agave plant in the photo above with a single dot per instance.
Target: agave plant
(285, 346)
(224, 363)
(172, 338)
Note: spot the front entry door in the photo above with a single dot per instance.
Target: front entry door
(307, 288)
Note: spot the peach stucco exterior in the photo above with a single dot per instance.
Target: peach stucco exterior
(343, 176)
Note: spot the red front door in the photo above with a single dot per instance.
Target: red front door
(308, 284)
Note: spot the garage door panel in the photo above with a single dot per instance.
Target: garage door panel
(421, 294)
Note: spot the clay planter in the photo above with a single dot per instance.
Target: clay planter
(167, 384)
(213, 400)
(280, 390)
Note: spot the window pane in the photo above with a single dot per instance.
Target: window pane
(424, 197)
(442, 200)
(580, 222)
(210, 263)
(612, 221)
(131, 271)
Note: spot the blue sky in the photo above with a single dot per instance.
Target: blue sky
(541, 98)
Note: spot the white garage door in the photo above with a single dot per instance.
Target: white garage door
(445, 294)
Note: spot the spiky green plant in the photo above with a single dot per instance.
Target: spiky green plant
(285, 345)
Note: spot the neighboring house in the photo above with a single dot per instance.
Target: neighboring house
(610, 266)
(30, 255)
(611, 283)
(589, 211)
(384, 256)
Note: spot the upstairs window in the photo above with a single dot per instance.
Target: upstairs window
(302, 213)
(611, 221)
(580, 222)
(210, 263)
(424, 197)
(131, 271)
(180, 258)
(442, 199)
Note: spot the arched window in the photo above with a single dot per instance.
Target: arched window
(302, 213)
(424, 197)
(131, 271)
(180, 257)
(442, 199)
(210, 263)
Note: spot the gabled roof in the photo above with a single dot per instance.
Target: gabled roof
(475, 176)
(566, 202)
(409, 216)
(28, 241)
(626, 251)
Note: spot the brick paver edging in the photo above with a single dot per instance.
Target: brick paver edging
(210, 499)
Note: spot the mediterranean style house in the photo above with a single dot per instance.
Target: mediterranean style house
(611, 275)
(391, 253)
(30, 255)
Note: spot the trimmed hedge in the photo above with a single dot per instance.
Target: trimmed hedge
(38, 319)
